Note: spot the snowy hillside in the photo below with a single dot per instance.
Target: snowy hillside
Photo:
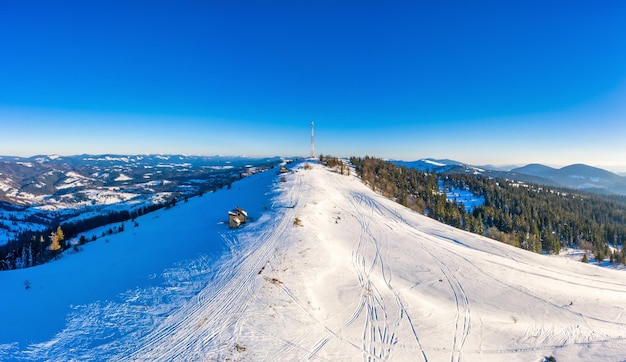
(327, 270)
(40, 192)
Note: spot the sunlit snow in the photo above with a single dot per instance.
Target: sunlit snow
(123, 177)
(325, 270)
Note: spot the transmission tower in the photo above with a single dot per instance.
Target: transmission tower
(312, 140)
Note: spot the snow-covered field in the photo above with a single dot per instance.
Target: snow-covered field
(458, 196)
(327, 270)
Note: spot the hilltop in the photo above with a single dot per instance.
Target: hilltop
(327, 270)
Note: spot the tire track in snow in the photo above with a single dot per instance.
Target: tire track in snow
(379, 331)
(334, 333)
(192, 331)
(287, 346)
(462, 320)
(583, 319)
(379, 337)
(432, 242)
(525, 267)
(462, 323)
(375, 331)
(387, 273)
(363, 304)
(525, 291)
(322, 342)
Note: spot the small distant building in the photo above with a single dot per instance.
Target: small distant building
(236, 217)
(283, 169)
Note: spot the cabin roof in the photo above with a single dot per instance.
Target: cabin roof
(238, 211)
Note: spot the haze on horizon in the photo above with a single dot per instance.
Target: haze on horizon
(493, 83)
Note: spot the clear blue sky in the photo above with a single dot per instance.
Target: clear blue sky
(501, 82)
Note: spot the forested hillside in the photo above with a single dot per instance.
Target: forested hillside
(528, 216)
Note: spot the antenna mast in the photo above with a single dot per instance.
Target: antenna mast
(312, 139)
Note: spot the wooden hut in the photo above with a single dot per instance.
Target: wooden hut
(236, 217)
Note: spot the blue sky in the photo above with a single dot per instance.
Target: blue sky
(480, 82)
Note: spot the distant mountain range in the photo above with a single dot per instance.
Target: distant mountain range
(577, 176)
(44, 179)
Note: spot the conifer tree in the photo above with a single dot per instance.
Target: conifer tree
(54, 245)
(60, 234)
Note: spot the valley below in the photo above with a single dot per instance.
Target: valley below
(39, 193)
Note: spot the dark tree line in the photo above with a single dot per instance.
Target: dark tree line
(35, 247)
(335, 163)
(529, 216)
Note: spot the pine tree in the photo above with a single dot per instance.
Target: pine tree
(55, 245)
(30, 256)
(60, 234)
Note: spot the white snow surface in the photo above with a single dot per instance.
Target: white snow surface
(458, 196)
(123, 177)
(6, 185)
(73, 180)
(439, 164)
(326, 270)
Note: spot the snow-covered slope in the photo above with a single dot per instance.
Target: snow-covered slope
(327, 270)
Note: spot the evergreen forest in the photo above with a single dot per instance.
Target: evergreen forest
(529, 216)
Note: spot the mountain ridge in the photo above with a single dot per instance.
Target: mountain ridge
(575, 176)
(579, 176)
